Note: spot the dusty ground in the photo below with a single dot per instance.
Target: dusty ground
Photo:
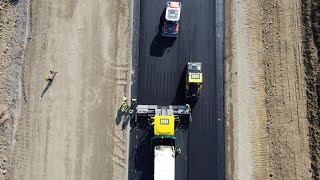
(67, 129)
(12, 38)
(6, 118)
(266, 102)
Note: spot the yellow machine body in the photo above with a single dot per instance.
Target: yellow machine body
(164, 125)
(195, 78)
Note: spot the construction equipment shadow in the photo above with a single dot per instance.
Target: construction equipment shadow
(180, 97)
(143, 157)
(159, 43)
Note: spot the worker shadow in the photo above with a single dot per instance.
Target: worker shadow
(126, 121)
(48, 86)
(159, 43)
(119, 116)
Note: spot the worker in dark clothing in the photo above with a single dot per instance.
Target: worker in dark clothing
(131, 113)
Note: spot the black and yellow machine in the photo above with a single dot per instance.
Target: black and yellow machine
(165, 121)
(193, 80)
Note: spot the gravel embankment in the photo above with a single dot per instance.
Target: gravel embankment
(311, 53)
(13, 18)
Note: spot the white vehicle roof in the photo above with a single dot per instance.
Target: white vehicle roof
(164, 163)
(173, 11)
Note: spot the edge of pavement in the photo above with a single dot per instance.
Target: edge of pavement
(220, 82)
(134, 64)
(229, 164)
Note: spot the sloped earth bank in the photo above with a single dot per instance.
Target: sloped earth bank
(271, 98)
(12, 40)
(67, 127)
(311, 54)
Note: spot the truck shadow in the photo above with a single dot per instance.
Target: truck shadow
(159, 43)
(142, 156)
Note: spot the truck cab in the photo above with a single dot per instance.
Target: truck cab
(193, 80)
(172, 17)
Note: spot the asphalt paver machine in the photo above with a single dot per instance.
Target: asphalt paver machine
(165, 121)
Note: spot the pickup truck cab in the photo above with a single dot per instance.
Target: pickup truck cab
(172, 17)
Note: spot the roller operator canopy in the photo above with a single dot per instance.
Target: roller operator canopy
(164, 125)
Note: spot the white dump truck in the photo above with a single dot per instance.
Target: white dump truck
(164, 162)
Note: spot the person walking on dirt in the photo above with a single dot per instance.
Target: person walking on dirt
(47, 78)
(52, 71)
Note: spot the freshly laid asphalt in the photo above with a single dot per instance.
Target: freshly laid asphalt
(159, 78)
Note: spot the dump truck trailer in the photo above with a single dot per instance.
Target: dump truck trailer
(164, 120)
(164, 162)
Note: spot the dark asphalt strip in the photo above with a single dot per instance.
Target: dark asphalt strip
(158, 64)
(220, 87)
(135, 47)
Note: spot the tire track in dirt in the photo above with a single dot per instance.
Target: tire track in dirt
(284, 92)
(278, 125)
(285, 99)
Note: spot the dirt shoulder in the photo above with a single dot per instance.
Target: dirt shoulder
(67, 126)
(239, 95)
(12, 42)
(267, 97)
(311, 54)
(7, 12)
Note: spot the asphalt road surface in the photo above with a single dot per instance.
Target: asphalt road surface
(160, 64)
